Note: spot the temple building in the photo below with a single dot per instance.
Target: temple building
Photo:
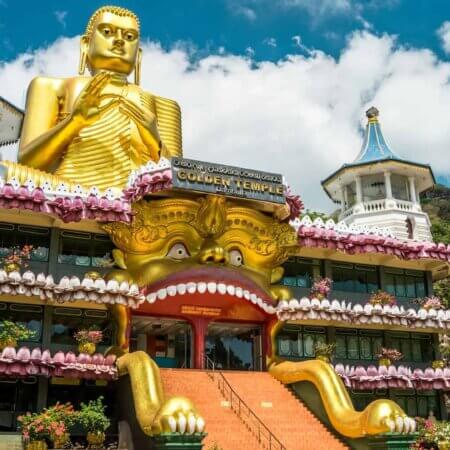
(222, 315)
(380, 189)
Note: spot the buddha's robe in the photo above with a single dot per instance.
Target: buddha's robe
(104, 153)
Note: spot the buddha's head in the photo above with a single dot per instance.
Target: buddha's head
(111, 41)
(174, 241)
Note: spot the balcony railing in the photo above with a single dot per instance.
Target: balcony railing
(379, 205)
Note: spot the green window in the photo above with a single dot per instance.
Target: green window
(31, 316)
(300, 272)
(416, 347)
(85, 249)
(355, 278)
(12, 235)
(405, 283)
(416, 403)
(358, 344)
(66, 321)
(299, 342)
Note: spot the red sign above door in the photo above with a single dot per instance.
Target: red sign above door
(196, 310)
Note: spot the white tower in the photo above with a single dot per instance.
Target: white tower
(381, 189)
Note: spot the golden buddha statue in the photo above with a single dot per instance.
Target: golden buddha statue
(94, 130)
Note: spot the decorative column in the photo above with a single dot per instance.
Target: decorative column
(342, 198)
(200, 329)
(388, 185)
(359, 196)
(412, 189)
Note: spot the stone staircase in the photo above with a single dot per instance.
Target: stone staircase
(287, 418)
(223, 426)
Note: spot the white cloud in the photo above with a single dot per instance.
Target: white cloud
(320, 7)
(270, 41)
(61, 17)
(444, 33)
(299, 116)
(241, 9)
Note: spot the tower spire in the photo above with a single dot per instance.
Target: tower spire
(374, 147)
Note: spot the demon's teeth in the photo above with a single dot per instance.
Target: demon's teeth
(191, 287)
(231, 289)
(172, 290)
(212, 287)
(181, 288)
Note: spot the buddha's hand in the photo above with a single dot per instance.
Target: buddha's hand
(86, 109)
(177, 414)
(146, 124)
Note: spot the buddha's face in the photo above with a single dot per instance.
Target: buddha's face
(168, 245)
(113, 43)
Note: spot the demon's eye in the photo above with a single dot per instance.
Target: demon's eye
(178, 251)
(236, 258)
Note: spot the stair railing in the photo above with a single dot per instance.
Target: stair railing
(265, 437)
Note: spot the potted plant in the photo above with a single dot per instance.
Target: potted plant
(11, 332)
(36, 428)
(16, 258)
(387, 356)
(324, 351)
(87, 340)
(60, 413)
(382, 298)
(444, 348)
(433, 434)
(321, 288)
(431, 302)
(94, 422)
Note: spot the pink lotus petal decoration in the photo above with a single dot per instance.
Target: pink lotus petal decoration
(331, 235)
(69, 290)
(402, 377)
(22, 363)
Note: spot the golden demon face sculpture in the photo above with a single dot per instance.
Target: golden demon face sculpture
(177, 241)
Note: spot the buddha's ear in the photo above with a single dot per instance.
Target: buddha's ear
(84, 43)
(119, 258)
(276, 275)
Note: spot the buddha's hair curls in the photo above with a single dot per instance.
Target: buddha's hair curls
(117, 10)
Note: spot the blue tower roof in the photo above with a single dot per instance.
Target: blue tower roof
(374, 147)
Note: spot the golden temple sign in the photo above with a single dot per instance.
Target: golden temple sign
(195, 310)
(192, 175)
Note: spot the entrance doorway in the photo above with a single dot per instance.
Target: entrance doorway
(233, 346)
(167, 341)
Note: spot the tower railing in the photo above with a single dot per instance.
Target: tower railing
(265, 437)
(371, 206)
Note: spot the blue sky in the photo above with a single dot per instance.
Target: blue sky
(268, 27)
(278, 85)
